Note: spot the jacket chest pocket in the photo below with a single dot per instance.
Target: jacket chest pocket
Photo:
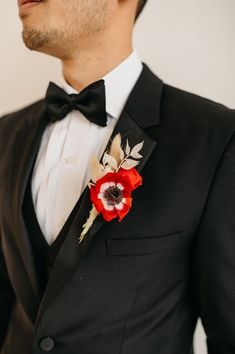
(142, 245)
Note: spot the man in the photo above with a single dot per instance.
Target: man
(133, 287)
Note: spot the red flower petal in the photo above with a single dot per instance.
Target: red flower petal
(128, 202)
(126, 193)
(125, 210)
(109, 177)
(95, 200)
(109, 215)
(134, 177)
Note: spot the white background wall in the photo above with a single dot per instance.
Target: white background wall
(187, 43)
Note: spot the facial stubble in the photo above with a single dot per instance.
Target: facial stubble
(35, 39)
(91, 21)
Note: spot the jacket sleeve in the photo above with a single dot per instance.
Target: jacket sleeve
(7, 295)
(214, 259)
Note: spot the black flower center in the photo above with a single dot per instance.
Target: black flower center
(113, 195)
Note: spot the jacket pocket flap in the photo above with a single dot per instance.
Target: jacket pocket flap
(141, 246)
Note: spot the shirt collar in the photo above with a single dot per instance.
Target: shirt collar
(119, 83)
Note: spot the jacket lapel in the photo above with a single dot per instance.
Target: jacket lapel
(26, 141)
(142, 110)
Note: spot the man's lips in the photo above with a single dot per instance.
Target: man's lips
(25, 2)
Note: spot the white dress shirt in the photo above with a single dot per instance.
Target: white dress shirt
(61, 170)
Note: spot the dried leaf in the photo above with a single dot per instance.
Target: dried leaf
(92, 215)
(107, 169)
(108, 159)
(128, 149)
(136, 149)
(97, 170)
(121, 153)
(129, 163)
(136, 155)
(115, 148)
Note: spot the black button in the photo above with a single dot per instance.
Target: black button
(47, 344)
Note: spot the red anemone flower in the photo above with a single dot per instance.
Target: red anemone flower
(111, 195)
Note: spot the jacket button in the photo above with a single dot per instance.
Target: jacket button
(47, 344)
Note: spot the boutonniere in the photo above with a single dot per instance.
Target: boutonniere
(112, 182)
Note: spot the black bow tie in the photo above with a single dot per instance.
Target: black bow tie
(90, 102)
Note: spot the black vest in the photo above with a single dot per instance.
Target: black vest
(44, 254)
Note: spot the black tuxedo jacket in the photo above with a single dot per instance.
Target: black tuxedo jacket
(136, 286)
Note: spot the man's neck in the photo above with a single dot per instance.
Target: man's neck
(88, 67)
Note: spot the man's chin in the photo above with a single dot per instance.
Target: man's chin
(35, 39)
(32, 38)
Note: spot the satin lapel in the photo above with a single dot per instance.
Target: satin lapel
(27, 143)
(143, 105)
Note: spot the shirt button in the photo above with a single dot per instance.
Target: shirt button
(47, 344)
(69, 159)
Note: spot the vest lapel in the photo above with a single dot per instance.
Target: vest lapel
(141, 111)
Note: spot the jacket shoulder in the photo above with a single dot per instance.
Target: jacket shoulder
(199, 110)
(17, 117)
